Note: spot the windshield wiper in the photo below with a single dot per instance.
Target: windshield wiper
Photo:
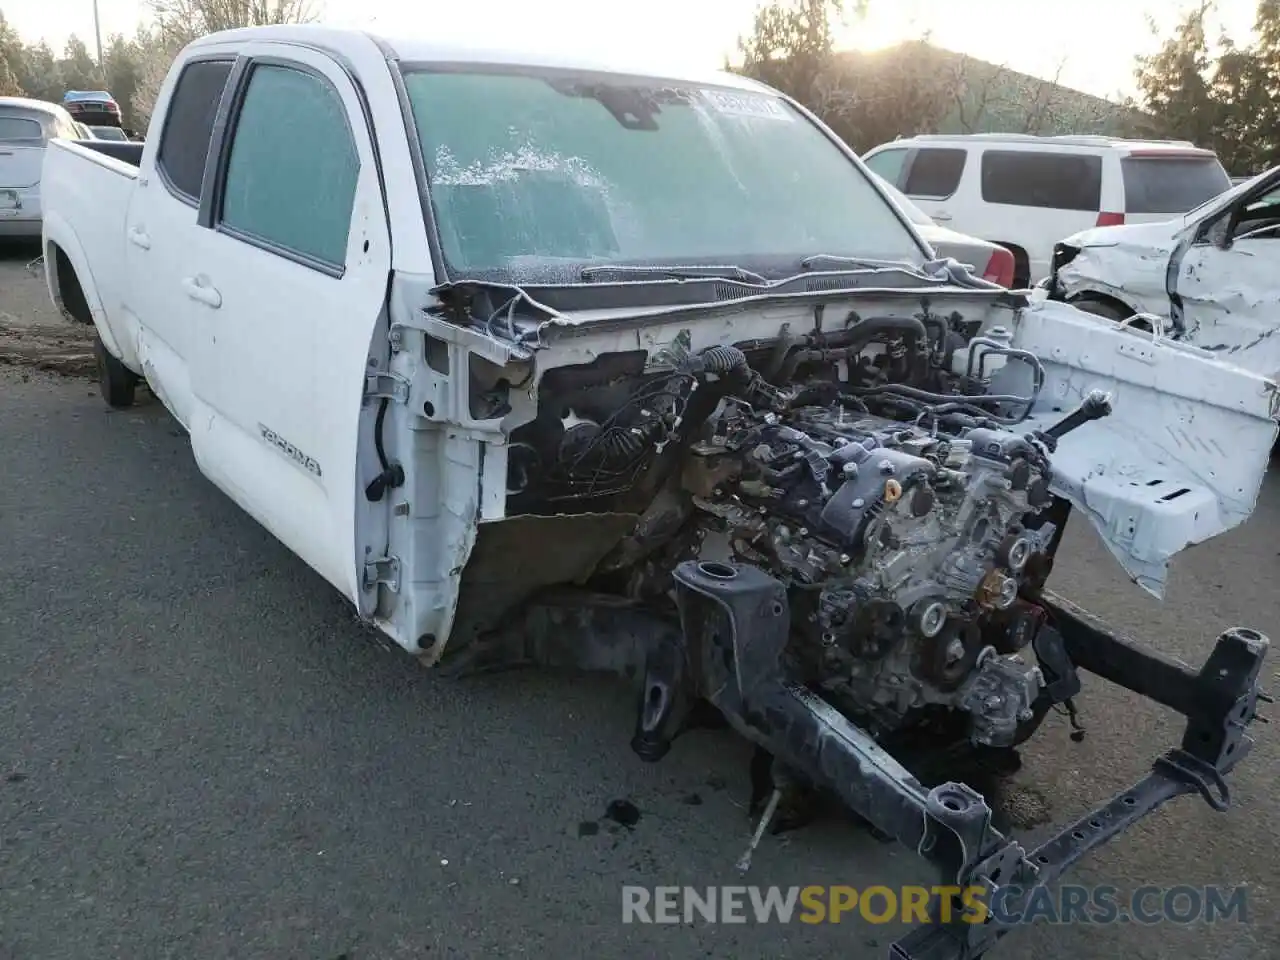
(839, 261)
(693, 272)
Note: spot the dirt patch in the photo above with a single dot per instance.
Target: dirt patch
(67, 350)
(33, 333)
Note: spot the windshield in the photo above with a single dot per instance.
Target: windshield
(534, 173)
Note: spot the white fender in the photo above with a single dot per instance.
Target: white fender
(58, 231)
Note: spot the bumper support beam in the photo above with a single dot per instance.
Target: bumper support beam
(735, 622)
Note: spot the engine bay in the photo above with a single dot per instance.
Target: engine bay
(878, 472)
(833, 537)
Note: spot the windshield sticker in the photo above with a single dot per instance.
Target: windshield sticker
(747, 105)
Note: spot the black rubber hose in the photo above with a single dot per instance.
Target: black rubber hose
(392, 474)
(857, 337)
(721, 359)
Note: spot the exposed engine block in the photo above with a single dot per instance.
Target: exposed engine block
(904, 544)
(909, 548)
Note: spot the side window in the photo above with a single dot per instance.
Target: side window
(188, 125)
(291, 174)
(1055, 181)
(16, 128)
(935, 173)
(888, 164)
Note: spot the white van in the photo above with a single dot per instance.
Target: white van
(26, 127)
(1027, 192)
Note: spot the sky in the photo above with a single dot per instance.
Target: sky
(1094, 42)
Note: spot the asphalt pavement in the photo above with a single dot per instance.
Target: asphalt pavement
(204, 755)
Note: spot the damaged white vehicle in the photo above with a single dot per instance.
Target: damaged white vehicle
(549, 362)
(1208, 279)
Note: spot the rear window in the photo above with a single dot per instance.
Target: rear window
(934, 173)
(1172, 185)
(188, 125)
(1054, 181)
(20, 128)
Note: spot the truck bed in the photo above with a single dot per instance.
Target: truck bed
(129, 152)
(86, 188)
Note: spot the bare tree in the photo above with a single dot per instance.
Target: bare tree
(199, 17)
(972, 96)
(178, 22)
(995, 98)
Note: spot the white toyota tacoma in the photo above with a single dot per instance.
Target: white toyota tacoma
(546, 361)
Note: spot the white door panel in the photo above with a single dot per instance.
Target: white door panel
(161, 229)
(1231, 301)
(287, 289)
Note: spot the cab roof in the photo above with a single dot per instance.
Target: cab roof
(426, 49)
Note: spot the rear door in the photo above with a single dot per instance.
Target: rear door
(1033, 198)
(285, 284)
(161, 228)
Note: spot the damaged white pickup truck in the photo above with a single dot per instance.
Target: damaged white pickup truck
(546, 362)
(1207, 279)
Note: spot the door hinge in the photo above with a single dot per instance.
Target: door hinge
(386, 384)
(383, 570)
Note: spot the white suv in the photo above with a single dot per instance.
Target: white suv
(1027, 192)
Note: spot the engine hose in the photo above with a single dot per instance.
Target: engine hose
(930, 322)
(720, 359)
(858, 336)
(927, 396)
(392, 474)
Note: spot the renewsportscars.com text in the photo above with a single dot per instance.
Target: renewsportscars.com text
(882, 904)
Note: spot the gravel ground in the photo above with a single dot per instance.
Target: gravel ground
(203, 755)
(33, 334)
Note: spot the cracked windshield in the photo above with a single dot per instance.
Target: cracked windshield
(536, 174)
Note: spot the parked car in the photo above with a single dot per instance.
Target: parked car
(996, 261)
(109, 133)
(26, 127)
(541, 360)
(93, 107)
(1027, 192)
(1210, 279)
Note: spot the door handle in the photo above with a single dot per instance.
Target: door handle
(138, 237)
(942, 215)
(202, 292)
